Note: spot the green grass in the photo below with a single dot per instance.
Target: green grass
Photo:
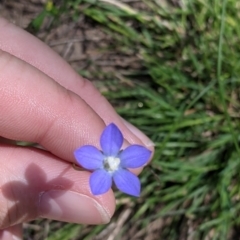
(185, 97)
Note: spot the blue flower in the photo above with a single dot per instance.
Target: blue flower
(111, 163)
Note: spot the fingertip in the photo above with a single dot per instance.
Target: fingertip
(70, 206)
(139, 134)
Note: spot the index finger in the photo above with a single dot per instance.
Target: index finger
(37, 109)
(28, 48)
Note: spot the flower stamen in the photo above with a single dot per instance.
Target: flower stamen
(111, 164)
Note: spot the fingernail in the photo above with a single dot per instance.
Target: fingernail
(146, 141)
(11, 233)
(72, 207)
(5, 235)
(16, 237)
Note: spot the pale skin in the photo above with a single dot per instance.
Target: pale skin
(43, 100)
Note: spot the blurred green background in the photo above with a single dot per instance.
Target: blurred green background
(172, 68)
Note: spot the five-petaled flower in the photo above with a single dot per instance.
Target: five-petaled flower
(111, 163)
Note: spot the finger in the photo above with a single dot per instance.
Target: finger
(23, 45)
(11, 233)
(35, 108)
(43, 111)
(40, 185)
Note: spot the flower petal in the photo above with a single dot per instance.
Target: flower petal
(89, 157)
(111, 140)
(100, 182)
(134, 156)
(127, 182)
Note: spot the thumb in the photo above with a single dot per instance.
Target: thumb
(36, 184)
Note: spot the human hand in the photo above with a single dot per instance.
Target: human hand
(43, 100)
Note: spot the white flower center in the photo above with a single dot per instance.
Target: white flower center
(111, 164)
